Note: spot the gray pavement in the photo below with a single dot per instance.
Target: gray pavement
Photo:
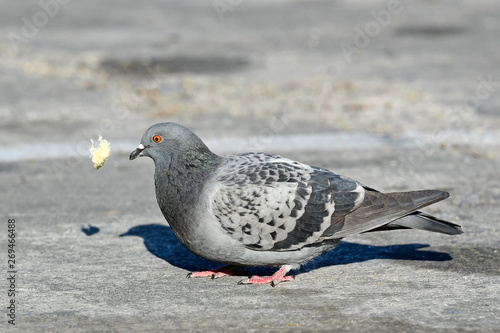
(408, 95)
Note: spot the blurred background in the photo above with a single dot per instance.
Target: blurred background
(73, 69)
(398, 94)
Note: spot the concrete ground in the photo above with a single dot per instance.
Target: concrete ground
(398, 95)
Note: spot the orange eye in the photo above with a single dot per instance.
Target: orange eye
(157, 138)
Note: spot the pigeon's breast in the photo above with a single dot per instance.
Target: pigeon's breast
(198, 230)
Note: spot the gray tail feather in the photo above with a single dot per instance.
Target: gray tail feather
(422, 221)
(397, 210)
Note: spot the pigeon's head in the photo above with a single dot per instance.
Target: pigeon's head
(167, 141)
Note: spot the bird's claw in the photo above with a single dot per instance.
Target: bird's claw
(215, 273)
(279, 276)
(272, 280)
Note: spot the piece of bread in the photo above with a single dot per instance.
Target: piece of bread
(101, 153)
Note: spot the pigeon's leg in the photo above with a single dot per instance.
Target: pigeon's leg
(217, 273)
(276, 278)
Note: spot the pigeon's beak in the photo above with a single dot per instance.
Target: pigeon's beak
(138, 152)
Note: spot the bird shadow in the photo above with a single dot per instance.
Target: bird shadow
(161, 242)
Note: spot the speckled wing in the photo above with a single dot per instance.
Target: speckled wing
(272, 203)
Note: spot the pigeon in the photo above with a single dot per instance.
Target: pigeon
(259, 209)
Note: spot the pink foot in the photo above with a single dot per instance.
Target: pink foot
(279, 276)
(216, 273)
